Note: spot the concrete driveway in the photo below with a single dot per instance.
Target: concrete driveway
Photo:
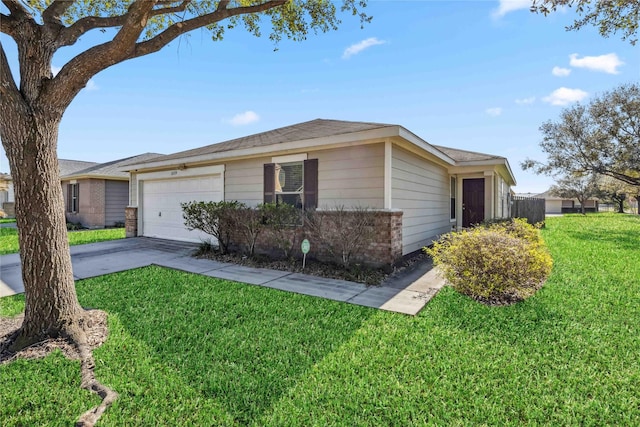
(407, 294)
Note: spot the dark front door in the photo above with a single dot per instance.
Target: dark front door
(472, 201)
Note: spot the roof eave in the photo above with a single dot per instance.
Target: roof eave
(94, 176)
(314, 143)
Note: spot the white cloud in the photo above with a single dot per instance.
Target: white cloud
(356, 48)
(606, 63)
(245, 118)
(561, 72)
(91, 84)
(493, 112)
(565, 96)
(526, 101)
(507, 6)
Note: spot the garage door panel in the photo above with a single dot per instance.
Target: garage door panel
(162, 213)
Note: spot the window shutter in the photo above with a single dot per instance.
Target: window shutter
(269, 183)
(69, 197)
(311, 184)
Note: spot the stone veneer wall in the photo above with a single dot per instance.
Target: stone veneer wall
(131, 221)
(384, 248)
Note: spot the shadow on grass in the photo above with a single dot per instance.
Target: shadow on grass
(240, 345)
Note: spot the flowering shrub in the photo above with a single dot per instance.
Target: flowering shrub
(499, 264)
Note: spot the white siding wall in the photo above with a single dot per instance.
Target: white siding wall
(502, 192)
(243, 180)
(116, 199)
(351, 176)
(421, 190)
(133, 189)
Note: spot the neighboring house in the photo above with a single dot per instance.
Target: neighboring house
(7, 202)
(6, 187)
(323, 164)
(96, 194)
(557, 205)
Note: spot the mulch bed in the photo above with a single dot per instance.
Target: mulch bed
(355, 273)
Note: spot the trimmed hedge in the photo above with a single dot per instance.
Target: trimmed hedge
(499, 264)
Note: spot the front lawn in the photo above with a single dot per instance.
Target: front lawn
(9, 237)
(191, 350)
(7, 220)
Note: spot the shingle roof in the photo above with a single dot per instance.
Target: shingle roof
(68, 167)
(318, 128)
(466, 156)
(109, 169)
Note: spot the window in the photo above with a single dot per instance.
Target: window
(73, 195)
(452, 192)
(294, 183)
(289, 183)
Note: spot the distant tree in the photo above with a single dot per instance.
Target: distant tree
(577, 187)
(602, 137)
(615, 191)
(609, 16)
(31, 111)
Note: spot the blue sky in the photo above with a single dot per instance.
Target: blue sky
(474, 75)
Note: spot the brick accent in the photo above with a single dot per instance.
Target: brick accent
(91, 211)
(384, 248)
(131, 221)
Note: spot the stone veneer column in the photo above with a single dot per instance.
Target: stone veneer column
(131, 221)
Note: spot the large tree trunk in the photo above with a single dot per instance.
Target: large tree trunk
(52, 308)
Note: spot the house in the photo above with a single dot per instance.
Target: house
(96, 194)
(554, 205)
(6, 194)
(424, 190)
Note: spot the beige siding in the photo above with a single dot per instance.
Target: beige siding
(133, 189)
(421, 190)
(351, 176)
(243, 180)
(116, 199)
(502, 193)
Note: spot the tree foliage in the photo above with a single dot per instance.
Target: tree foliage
(609, 16)
(602, 137)
(615, 191)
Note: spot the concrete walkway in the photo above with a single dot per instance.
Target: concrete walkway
(406, 294)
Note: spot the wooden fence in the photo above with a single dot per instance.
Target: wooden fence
(530, 208)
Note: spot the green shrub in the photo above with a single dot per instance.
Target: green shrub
(218, 219)
(495, 265)
(281, 221)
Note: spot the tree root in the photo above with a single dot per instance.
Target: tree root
(89, 382)
(75, 342)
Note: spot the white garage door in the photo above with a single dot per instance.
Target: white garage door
(161, 211)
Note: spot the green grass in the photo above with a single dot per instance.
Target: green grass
(9, 237)
(191, 350)
(7, 220)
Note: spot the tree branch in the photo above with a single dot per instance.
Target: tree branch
(8, 86)
(76, 73)
(17, 9)
(55, 10)
(8, 26)
(70, 35)
(158, 42)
